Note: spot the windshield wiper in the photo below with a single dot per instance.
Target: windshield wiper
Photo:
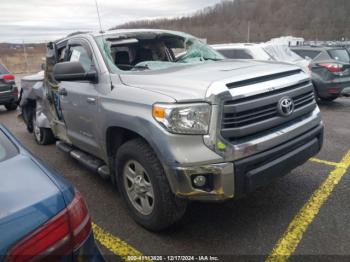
(140, 67)
(212, 59)
(134, 67)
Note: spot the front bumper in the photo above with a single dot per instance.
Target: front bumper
(237, 178)
(331, 88)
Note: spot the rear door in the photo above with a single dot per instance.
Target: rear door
(79, 100)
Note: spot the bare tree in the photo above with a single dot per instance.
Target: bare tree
(227, 21)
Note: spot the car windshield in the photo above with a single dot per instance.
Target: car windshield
(340, 54)
(153, 50)
(7, 149)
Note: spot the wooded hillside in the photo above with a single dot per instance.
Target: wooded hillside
(228, 21)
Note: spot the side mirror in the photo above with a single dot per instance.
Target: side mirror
(73, 71)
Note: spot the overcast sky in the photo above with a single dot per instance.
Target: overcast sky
(43, 20)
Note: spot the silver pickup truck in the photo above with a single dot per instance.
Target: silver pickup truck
(168, 120)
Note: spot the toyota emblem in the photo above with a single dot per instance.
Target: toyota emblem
(285, 106)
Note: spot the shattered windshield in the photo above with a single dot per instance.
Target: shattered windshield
(153, 51)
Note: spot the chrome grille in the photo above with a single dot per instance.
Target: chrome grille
(251, 115)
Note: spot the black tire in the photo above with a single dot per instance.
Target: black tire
(27, 114)
(327, 99)
(43, 136)
(317, 98)
(11, 107)
(167, 208)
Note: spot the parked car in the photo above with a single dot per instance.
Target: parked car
(8, 89)
(41, 215)
(168, 128)
(330, 67)
(265, 51)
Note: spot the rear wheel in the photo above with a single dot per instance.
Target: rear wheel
(12, 106)
(145, 188)
(43, 136)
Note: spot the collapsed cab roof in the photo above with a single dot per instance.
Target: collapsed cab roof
(126, 33)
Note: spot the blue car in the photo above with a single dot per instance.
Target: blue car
(42, 217)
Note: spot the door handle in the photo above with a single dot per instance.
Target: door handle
(62, 92)
(91, 100)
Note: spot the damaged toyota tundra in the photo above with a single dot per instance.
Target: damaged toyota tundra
(168, 120)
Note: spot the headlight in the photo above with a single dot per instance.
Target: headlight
(183, 118)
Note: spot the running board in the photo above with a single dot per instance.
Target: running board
(89, 161)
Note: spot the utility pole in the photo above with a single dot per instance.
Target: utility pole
(248, 33)
(25, 56)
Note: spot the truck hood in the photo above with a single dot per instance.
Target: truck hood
(191, 82)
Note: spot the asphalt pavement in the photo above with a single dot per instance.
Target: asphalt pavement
(245, 229)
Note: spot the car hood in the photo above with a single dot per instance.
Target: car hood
(28, 197)
(191, 82)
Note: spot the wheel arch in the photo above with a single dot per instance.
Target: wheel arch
(116, 136)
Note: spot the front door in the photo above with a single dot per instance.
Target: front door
(79, 100)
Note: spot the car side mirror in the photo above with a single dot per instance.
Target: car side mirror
(73, 71)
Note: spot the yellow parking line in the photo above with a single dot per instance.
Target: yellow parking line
(329, 163)
(286, 246)
(114, 244)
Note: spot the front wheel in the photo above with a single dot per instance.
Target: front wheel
(43, 136)
(145, 188)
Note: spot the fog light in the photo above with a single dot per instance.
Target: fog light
(200, 181)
